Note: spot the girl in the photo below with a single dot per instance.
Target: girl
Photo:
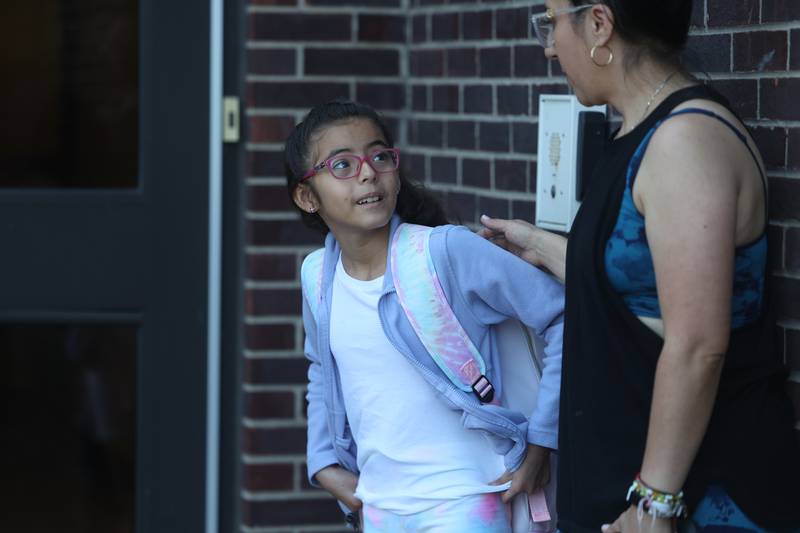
(387, 432)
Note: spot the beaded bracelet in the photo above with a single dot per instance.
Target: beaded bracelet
(654, 502)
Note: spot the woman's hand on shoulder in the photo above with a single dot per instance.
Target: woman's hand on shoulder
(539, 247)
(341, 483)
(533, 474)
(516, 236)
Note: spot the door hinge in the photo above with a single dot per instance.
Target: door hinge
(230, 119)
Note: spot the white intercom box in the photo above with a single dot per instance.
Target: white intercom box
(558, 165)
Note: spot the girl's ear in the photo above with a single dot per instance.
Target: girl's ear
(305, 199)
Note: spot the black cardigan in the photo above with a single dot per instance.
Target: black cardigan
(608, 372)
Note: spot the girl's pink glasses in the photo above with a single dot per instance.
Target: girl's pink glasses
(344, 166)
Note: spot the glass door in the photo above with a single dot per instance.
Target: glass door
(69, 430)
(105, 279)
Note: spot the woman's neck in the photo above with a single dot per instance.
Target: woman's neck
(642, 90)
(364, 255)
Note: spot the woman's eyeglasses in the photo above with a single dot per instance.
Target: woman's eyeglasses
(344, 166)
(543, 23)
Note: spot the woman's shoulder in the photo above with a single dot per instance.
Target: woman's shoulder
(700, 131)
(700, 153)
(717, 109)
(700, 117)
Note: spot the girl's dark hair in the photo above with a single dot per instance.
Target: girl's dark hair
(660, 28)
(414, 203)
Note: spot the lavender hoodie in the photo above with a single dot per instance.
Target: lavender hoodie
(484, 285)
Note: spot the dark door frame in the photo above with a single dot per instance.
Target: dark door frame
(166, 257)
(233, 171)
(176, 143)
(150, 256)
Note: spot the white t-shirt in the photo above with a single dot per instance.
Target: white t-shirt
(413, 452)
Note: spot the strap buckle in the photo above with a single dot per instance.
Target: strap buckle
(483, 389)
(352, 519)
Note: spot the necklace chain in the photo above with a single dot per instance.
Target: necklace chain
(653, 97)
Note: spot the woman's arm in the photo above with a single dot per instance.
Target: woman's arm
(690, 208)
(538, 247)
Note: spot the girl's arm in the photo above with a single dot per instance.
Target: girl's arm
(489, 285)
(341, 484)
(323, 468)
(690, 207)
(538, 247)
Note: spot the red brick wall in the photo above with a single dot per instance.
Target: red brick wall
(459, 82)
(299, 53)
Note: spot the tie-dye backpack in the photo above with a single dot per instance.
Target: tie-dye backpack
(425, 305)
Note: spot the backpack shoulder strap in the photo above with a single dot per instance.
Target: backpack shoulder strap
(311, 279)
(426, 307)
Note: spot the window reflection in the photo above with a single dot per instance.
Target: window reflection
(68, 427)
(69, 101)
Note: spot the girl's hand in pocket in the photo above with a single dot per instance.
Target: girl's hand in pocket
(341, 484)
(533, 474)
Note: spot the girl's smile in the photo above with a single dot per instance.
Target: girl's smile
(369, 200)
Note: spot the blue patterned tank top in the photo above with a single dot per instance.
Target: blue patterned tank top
(629, 264)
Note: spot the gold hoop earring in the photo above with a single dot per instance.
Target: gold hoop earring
(593, 51)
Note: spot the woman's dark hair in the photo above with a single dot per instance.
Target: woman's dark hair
(414, 203)
(660, 28)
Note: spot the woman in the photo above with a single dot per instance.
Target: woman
(672, 398)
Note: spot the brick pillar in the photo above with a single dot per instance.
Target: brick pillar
(299, 53)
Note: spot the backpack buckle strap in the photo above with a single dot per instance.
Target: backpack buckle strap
(469, 372)
(483, 389)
